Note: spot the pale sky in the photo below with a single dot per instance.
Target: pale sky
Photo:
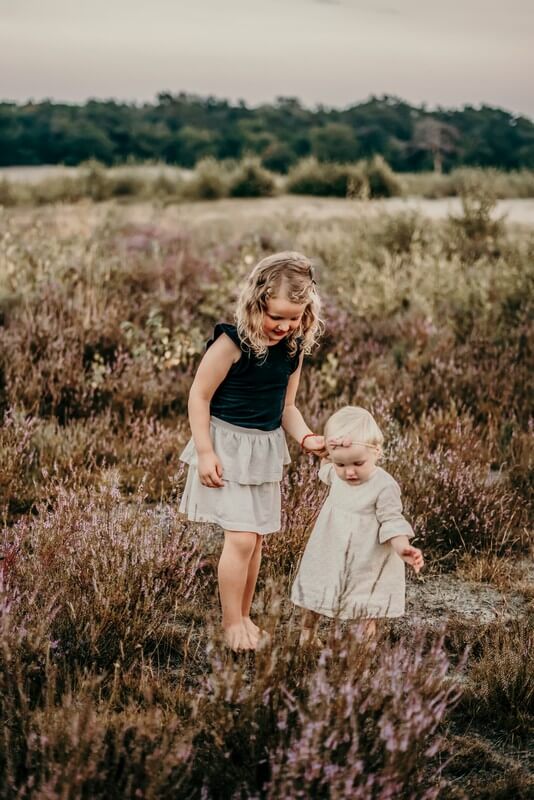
(335, 52)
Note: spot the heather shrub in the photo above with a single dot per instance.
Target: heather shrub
(361, 723)
(113, 572)
(60, 743)
(250, 179)
(452, 505)
(17, 463)
(40, 457)
(500, 690)
(103, 754)
(517, 445)
(110, 672)
(477, 767)
(113, 334)
(302, 498)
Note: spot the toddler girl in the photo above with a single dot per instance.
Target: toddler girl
(241, 402)
(353, 563)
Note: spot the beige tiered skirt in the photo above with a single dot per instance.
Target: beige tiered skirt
(252, 462)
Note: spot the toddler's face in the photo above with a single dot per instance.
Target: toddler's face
(354, 464)
(281, 318)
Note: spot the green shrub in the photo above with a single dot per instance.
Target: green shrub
(210, 181)
(382, 180)
(251, 180)
(13, 194)
(278, 157)
(476, 232)
(95, 180)
(310, 176)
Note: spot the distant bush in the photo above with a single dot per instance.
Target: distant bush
(13, 194)
(503, 185)
(250, 179)
(312, 177)
(210, 181)
(383, 182)
(278, 157)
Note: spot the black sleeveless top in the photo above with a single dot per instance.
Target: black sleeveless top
(253, 392)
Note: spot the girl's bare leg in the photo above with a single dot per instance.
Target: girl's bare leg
(367, 627)
(308, 635)
(250, 586)
(238, 549)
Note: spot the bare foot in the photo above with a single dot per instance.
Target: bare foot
(258, 635)
(308, 638)
(237, 637)
(251, 628)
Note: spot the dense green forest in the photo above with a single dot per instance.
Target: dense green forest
(181, 129)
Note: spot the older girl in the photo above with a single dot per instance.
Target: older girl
(241, 404)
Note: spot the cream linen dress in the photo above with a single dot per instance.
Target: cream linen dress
(348, 568)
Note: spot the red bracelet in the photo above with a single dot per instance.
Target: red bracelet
(306, 437)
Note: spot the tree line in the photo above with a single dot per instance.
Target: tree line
(184, 128)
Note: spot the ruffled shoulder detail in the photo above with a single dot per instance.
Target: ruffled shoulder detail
(229, 330)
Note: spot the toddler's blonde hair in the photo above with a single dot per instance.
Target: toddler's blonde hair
(288, 274)
(355, 423)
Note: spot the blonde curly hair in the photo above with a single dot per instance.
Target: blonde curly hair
(287, 274)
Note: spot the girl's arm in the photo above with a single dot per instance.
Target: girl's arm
(292, 420)
(210, 374)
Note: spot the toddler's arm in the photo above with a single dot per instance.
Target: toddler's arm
(394, 527)
(411, 555)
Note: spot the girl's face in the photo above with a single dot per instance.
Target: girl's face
(281, 318)
(354, 464)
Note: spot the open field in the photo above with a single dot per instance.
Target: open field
(113, 680)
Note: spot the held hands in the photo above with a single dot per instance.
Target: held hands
(315, 445)
(210, 470)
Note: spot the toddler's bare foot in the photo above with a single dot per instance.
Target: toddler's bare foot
(308, 638)
(366, 628)
(258, 635)
(237, 637)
